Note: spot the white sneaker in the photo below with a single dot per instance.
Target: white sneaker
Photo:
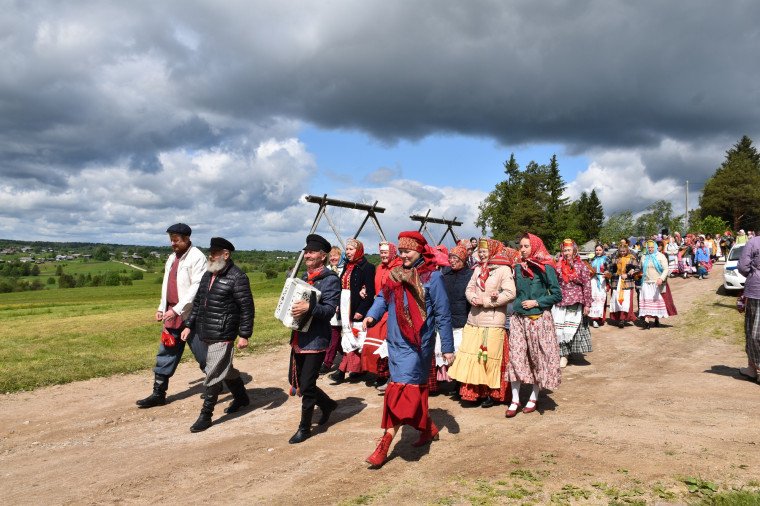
(749, 372)
(563, 362)
(595, 324)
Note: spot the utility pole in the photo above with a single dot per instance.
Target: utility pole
(686, 225)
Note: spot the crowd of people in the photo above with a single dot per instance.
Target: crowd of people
(482, 317)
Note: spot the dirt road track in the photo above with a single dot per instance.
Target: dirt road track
(645, 407)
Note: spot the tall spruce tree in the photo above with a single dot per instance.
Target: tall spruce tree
(556, 206)
(733, 192)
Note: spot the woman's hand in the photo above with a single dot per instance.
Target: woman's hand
(367, 321)
(529, 304)
(476, 301)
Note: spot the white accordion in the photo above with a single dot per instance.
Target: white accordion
(294, 290)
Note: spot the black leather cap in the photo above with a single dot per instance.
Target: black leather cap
(218, 243)
(316, 242)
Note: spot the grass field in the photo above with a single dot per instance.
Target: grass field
(61, 335)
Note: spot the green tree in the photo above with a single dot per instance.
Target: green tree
(733, 192)
(58, 270)
(658, 216)
(35, 270)
(593, 216)
(616, 227)
(557, 216)
(113, 279)
(66, 281)
(496, 212)
(713, 225)
(102, 253)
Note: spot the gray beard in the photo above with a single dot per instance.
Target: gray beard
(216, 266)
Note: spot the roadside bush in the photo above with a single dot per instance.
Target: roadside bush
(137, 275)
(126, 280)
(51, 280)
(270, 273)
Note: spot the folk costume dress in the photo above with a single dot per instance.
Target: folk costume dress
(622, 290)
(574, 278)
(481, 359)
(357, 275)
(654, 266)
(598, 289)
(456, 282)
(533, 348)
(416, 302)
(374, 352)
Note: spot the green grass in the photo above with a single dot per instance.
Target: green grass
(57, 336)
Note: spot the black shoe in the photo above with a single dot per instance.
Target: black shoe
(327, 411)
(324, 369)
(202, 423)
(487, 402)
(356, 375)
(657, 322)
(154, 399)
(240, 400)
(158, 397)
(300, 436)
(380, 382)
(646, 325)
(337, 376)
(304, 428)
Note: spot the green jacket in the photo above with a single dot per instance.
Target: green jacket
(543, 288)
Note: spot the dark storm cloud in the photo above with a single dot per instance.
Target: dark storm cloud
(94, 82)
(146, 93)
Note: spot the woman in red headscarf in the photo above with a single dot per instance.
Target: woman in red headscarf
(414, 296)
(375, 351)
(357, 293)
(571, 313)
(478, 366)
(533, 347)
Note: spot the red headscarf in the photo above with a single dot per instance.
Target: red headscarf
(382, 270)
(567, 267)
(350, 264)
(539, 257)
(409, 281)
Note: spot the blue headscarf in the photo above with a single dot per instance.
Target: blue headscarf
(653, 258)
(597, 263)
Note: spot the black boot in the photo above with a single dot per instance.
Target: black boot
(240, 396)
(327, 407)
(204, 420)
(304, 429)
(158, 397)
(338, 376)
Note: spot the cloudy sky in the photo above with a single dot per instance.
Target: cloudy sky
(120, 118)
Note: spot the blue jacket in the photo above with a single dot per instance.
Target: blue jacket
(405, 362)
(456, 284)
(319, 333)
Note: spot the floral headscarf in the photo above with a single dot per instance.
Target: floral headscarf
(494, 247)
(567, 267)
(539, 257)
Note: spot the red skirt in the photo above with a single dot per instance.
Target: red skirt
(470, 392)
(667, 297)
(405, 404)
(370, 360)
(352, 362)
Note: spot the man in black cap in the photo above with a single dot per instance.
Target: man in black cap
(182, 274)
(222, 310)
(309, 347)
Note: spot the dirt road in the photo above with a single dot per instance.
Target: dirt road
(645, 410)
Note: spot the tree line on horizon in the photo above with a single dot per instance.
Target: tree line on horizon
(532, 200)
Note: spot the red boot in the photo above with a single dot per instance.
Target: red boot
(427, 436)
(377, 459)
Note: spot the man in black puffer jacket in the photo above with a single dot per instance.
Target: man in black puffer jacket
(222, 310)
